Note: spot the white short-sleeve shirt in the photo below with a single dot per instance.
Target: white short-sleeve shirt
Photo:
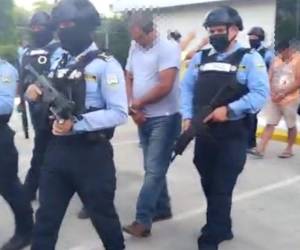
(145, 65)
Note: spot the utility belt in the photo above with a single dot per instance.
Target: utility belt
(85, 138)
(229, 129)
(92, 136)
(4, 119)
(102, 134)
(98, 136)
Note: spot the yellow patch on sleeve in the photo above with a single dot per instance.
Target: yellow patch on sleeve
(261, 66)
(242, 68)
(89, 77)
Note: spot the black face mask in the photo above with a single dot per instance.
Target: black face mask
(254, 43)
(41, 38)
(220, 42)
(75, 39)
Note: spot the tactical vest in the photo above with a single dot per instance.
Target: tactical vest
(263, 52)
(40, 60)
(214, 75)
(70, 81)
(4, 119)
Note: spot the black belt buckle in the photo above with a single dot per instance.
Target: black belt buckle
(96, 137)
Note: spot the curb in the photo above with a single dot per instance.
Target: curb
(279, 135)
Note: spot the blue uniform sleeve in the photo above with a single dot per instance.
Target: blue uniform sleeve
(113, 90)
(269, 57)
(8, 85)
(256, 78)
(187, 87)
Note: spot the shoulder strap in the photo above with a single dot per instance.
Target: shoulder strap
(262, 52)
(51, 48)
(89, 57)
(237, 56)
(204, 56)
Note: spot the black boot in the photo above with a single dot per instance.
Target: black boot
(18, 242)
(206, 244)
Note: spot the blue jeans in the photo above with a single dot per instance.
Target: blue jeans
(157, 137)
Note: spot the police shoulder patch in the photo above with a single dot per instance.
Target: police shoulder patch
(112, 80)
(5, 79)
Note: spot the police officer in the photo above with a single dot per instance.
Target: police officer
(256, 39)
(79, 157)
(10, 186)
(220, 154)
(43, 50)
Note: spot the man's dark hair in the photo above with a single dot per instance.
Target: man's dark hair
(141, 19)
(282, 45)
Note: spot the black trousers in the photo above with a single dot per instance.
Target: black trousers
(219, 160)
(41, 141)
(74, 164)
(252, 130)
(10, 186)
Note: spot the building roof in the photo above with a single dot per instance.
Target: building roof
(121, 5)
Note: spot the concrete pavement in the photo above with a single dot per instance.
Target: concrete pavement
(265, 212)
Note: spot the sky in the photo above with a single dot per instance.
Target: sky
(101, 5)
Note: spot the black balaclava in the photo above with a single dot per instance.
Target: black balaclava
(75, 39)
(255, 43)
(41, 38)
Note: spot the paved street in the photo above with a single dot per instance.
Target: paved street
(265, 213)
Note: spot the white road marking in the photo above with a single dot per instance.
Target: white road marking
(187, 215)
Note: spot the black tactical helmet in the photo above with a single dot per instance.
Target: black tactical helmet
(41, 18)
(257, 31)
(224, 16)
(81, 12)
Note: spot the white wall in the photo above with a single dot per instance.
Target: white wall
(189, 18)
(122, 5)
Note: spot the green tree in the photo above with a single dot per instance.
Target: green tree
(8, 38)
(22, 16)
(113, 35)
(287, 20)
(43, 5)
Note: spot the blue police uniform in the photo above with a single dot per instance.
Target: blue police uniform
(41, 59)
(220, 157)
(267, 54)
(82, 161)
(10, 186)
(268, 57)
